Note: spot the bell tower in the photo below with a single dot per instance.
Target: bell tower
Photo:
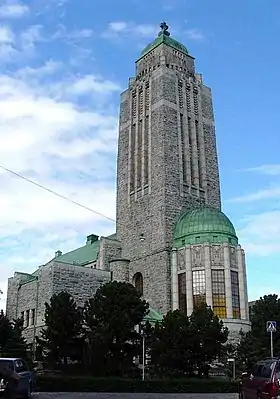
(167, 160)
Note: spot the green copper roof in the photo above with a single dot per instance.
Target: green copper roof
(153, 316)
(202, 225)
(164, 37)
(81, 256)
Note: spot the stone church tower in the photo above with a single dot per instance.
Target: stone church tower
(168, 167)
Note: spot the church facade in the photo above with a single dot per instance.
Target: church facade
(172, 240)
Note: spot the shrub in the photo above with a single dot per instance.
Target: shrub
(64, 383)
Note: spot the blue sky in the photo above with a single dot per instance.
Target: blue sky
(63, 65)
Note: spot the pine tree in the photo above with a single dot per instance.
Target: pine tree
(63, 328)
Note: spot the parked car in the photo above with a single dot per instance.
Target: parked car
(26, 381)
(262, 381)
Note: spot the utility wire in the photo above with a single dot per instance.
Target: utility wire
(55, 193)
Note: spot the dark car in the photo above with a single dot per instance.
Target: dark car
(26, 382)
(262, 381)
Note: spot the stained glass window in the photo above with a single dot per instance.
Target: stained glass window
(235, 295)
(219, 293)
(199, 287)
(182, 292)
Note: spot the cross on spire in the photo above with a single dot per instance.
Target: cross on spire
(164, 29)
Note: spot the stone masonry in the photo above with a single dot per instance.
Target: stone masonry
(166, 116)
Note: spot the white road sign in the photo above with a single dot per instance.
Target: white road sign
(271, 326)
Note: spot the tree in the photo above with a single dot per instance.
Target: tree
(209, 335)
(256, 343)
(12, 343)
(111, 316)
(63, 328)
(171, 349)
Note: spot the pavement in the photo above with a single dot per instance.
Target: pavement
(77, 395)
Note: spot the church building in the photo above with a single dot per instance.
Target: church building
(172, 240)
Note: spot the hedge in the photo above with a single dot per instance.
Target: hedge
(64, 383)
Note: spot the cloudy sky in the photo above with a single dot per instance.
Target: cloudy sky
(63, 65)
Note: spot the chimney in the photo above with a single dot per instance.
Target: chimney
(91, 239)
(57, 254)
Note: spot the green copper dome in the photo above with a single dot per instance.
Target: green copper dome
(164, 37)
(204, 225)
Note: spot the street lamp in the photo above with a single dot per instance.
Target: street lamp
(140, 330)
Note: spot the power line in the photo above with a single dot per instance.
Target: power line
(55, 193)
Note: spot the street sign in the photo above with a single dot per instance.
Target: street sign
(271, 326)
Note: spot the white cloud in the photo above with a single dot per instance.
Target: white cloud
(52, 135)
(195, 34)
(260, 195)
(261, 234)
(268, 169)
(118, 29)
(78, 34)
(6, 35)
(13, 10)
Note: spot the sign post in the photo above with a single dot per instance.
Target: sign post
(271, 327)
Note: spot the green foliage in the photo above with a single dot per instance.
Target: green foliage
(209, 334)
(12, 344)
(90, 384)
(184, 345)
(111, 316)
(63, 329)
(255, 344)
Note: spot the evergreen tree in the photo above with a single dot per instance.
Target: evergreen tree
(111, 316)
(209, 335)
(171, 349)
(12, 344)
(256, 344)
(63, 328)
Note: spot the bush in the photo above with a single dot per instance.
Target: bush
(64, 383)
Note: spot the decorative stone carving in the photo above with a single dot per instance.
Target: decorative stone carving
(217, 255)
(233, 258)
(197, 256)
(181, 259)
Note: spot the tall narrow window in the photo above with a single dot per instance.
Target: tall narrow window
(133, 105)
(140, 101)
(191, 150)
(199, 288)
(182, 292)
(180, 94)
(147, 97)
(198, 153)
(146, 150)
(139, 154)
(195, 100)
(32, 319)
(132, 158)
(182, 130)
(219, 293)
(138, 282)
(27, 318)
(235, 295)
(188, 96)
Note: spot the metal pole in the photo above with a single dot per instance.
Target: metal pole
(271, 344)
(233, 369)
(143, 355)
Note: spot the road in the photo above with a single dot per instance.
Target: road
(67, 395)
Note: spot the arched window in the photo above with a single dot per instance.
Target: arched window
(138, 282)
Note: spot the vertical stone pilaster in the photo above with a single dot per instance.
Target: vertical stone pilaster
(228, 280)
(189, 280)
(241, 281)
(208, 276)
(174, 270)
